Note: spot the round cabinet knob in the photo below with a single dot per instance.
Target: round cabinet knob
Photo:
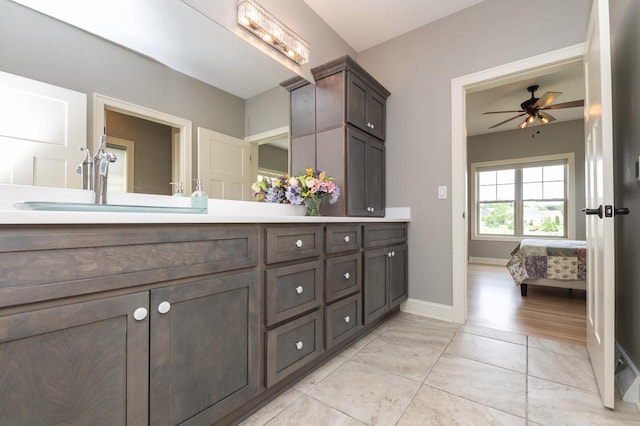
(299, 345)
(346, 238)
(372, 126)
(299, 289)
(389, 254)
(393, 253)
(164, 307)
(347, 275)
(140, 314)
(347, 319)
(299, 243)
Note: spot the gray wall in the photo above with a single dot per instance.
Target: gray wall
(417, 68)
(625, 30)
(267, 111)
(41, 48)
(273, 158)
(555, 138)
(152, 151)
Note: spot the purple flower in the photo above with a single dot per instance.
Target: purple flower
(334, 195)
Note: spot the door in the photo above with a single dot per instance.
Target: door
(375, 278)
(224, 165)
(205, 353)
(398, 283)
(41, 132)
(599, 193)
(80, 363)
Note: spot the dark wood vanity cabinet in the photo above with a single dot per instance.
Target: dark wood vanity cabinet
(385, 269)
(182, 324)
(365, 175)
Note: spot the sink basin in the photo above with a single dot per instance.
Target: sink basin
(111, 208)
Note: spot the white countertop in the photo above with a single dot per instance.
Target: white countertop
(219, 211)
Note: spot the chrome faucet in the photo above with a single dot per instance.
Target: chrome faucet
(95, 172)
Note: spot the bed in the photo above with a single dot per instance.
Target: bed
(552, 263)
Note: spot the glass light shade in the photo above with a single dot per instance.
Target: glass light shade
(263, 24)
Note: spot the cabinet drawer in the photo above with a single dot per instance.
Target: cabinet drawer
(293, 243)
(292, 290)
(292, 345)
(342, 238)
(343, 276)
(343, 319)
(384, 234)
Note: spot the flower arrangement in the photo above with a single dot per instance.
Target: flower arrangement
(311, 189)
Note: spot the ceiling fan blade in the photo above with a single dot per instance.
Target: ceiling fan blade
(546, 99)
(545, 118)
(506, 121)
(500, 112)
(571, 104)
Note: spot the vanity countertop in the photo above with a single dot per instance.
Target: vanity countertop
(219, 211)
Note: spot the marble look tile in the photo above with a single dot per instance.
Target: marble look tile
(432, 406)
(506, 336)
(564, 369)
(366, 393)
(272, 409)
(493, 386)
(564, 348)
(310, 380)
(435, 336)
(386, 324)
(311, 412)
(554, 404)
(405, 357)
(358, 344)
(490, 351)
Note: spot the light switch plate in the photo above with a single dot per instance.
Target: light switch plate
(442, 192)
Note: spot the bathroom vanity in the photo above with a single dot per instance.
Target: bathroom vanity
(196, 320)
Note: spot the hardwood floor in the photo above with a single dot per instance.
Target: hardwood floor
(494, 301)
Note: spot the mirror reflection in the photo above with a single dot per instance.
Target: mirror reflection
(231, 138)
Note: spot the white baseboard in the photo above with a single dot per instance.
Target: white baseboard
(627, 377)
(428, 309)
(488, 261)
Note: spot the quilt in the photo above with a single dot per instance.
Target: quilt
(552, 259)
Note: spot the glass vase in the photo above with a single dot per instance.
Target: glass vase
(313, 206)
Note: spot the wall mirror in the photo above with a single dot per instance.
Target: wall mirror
(170, 59)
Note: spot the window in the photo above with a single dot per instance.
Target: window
(527, 197)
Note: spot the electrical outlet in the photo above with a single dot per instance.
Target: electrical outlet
(442, 192)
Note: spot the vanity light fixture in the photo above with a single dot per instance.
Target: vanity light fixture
(263, 24)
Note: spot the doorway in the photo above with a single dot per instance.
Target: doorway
(181, 139)
(460, 88)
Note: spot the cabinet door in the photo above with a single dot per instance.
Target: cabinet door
(356, 173)
(398, 275)
(81, 363)
(204, 349)
(376, 114)
(375, 289)
(357, 94)
(374, 188)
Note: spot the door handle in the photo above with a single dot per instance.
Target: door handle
(597, 211)
(620, 210)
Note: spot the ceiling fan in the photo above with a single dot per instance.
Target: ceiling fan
(534, 109)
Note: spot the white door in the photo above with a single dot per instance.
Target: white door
(599, 190)
(224, 165)
(42, 128)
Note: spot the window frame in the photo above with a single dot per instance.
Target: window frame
(544, 160)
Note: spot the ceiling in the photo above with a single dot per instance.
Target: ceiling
(367, 23)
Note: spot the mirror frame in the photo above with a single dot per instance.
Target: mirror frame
(181, 146)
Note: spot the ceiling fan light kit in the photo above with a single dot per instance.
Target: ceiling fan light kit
(533, 109)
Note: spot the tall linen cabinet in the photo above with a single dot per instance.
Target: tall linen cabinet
(338, 126)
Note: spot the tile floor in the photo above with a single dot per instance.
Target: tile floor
(418, 371)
